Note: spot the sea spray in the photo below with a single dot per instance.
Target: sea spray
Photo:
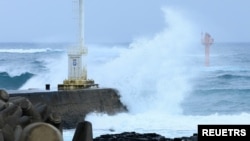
(152, 76)
(152, 73)
(55, 71)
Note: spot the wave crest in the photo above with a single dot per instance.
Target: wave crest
(13, 82)
(31, 50)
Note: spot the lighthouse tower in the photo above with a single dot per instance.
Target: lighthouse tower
(77, 73)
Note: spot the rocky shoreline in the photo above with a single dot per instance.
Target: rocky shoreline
(133, 136)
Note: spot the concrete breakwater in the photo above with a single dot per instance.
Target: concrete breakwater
(74, 105)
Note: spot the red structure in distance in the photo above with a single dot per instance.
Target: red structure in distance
(207, 41)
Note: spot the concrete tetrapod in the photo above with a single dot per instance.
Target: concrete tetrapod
(40, 131)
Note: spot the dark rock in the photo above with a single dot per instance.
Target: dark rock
(133, 136)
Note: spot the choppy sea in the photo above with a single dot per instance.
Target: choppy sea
(163, 80)
(166, 93)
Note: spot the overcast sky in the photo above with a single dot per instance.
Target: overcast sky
(119, 20)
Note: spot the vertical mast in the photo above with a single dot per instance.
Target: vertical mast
(80, 24)
(81, 28)
(82, 50)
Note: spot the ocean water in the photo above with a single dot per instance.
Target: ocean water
(163, 80)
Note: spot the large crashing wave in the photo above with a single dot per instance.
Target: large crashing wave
(152, 72)
(154, 76)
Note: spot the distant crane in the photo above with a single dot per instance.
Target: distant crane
(207, 41)
(77, 73)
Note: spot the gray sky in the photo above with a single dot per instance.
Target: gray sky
(119, 20)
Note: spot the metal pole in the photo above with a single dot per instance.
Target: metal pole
(81, 36)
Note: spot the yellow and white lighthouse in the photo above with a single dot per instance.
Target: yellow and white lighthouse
(77, 73)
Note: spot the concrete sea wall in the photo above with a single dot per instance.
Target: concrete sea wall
(74, 105)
